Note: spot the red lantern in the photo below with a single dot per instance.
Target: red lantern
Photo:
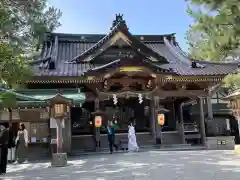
(98, 121)
(161, 119)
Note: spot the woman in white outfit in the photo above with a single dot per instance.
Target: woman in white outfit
(22, 144)
(132, 141)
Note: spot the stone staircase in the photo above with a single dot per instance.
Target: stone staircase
(86, 142)
(83, 142)
(171, 137)
(143, 139)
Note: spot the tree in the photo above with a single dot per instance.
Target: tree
(22, 30)
(215, 34)
(25, 22)
(23, 25)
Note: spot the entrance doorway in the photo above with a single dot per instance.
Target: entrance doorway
(81, 119)
(126, 111)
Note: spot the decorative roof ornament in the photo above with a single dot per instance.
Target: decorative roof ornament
(196, 65)
(119, 19)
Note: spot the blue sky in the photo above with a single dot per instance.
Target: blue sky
(142, 17)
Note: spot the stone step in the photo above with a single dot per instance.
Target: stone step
(175, 145)
(142, 149)
(171, 138)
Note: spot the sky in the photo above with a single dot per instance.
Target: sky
(142, 17)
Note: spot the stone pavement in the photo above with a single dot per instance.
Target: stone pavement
(151, 165)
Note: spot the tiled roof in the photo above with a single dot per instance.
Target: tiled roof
(66, 51)
(98, 47)
(180, 64)
(63, 51)
(184, 67)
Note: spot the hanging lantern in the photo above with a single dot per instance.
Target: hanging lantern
(161, 119)
(98, 121)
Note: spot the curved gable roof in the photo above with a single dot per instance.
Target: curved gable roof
(119, 31)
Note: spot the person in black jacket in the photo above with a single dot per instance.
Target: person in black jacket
(11, 146)
(4, 149)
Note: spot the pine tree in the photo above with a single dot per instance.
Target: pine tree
(22, 29)
(23, 25)
(215, 34)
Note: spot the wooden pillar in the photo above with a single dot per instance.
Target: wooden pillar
(97, 130)
(50, 130)
(181, 124)
(171, 115)
(174, 114)
(209, 108)
(157, 126)
(202, 121)
(153, 117)
(10, 117)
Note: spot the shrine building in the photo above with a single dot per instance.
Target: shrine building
(126, 77)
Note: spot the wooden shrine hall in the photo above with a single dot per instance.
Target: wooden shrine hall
(127, 77)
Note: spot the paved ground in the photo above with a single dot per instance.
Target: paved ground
(151, 165)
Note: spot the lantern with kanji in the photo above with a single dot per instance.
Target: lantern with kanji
(161, 119)
(98, 121)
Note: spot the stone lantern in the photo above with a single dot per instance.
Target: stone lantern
(59, 111)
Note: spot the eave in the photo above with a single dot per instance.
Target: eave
(145, 65)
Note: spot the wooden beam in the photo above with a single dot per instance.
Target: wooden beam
(155, 92)
(181, 93)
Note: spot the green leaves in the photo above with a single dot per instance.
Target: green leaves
(22, 30)
(215, 34)
(232, 81)
(23, 24)
(13, 67)
(7, 100)
(219, 22)
(26, 22)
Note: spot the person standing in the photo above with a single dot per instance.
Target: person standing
(4, 149)
(132, 141)
(11, 146)
(22, 144)
(111, 137)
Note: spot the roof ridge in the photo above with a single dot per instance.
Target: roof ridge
(108, 36)
(216, 63)
(175, 53)
(96, 44)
